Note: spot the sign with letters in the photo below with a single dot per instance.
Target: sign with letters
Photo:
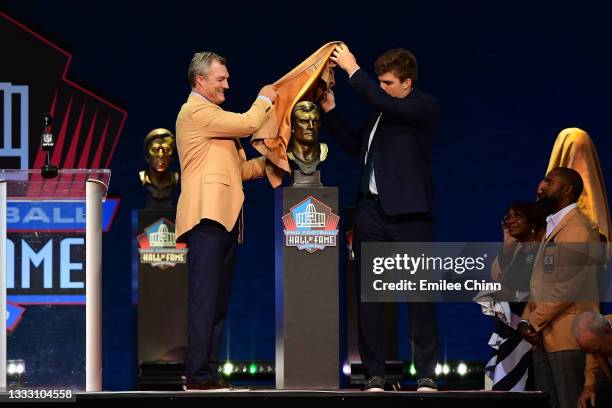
(311, 226)
(157, 245)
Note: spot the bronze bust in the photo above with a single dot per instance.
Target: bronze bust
(304, 150)
(158, 179)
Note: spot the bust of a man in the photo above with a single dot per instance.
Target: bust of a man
(158, 179)
(304, 150)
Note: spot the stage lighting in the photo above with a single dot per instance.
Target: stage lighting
(15, 369)
(228, 369)
(445, 369)
(462, 369)
(252, 368)
(438, 369)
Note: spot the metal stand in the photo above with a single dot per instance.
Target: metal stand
(93, 286)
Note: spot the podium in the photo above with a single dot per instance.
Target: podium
(306, 288)
(70, 186)
(162, 295)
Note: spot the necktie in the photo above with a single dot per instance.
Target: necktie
(367, 173)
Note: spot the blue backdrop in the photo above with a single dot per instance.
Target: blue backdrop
(508, 77)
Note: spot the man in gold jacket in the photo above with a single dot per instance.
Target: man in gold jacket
(563, 284)
(594, 335)
(213, 165)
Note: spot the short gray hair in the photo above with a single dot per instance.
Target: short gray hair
(200, 63)
(592, 322)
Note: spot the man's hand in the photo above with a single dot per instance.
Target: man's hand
(329, 101)
(269, 91)
(528, 333)
(344, 58)
(587, 394)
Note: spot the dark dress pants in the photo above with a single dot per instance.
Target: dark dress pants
(210, 260)
(371, 224)
(560, 375)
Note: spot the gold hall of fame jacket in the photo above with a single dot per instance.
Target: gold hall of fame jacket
(213, 162)
(596, 364)
(564, 281)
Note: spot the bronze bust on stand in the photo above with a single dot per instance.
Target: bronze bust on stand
(162, 269)
(304, 150)
(158, 179)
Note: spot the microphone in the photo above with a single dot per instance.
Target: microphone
(47, 143)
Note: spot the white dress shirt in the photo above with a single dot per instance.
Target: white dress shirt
(553, 220)
(373, 188)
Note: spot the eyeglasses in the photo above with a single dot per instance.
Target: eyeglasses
(509, 217)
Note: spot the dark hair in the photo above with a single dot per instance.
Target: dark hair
(398, 61)
(572, 178)
(532, 213)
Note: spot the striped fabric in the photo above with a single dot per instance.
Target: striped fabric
(508, 369)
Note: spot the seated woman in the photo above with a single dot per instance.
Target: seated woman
(523, 228)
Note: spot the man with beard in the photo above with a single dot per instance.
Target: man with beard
(563, 284)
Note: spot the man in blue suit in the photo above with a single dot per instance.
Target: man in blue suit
(394, 146)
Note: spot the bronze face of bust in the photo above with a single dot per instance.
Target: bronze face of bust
(159, 147)
(160, 151)
(304, 149)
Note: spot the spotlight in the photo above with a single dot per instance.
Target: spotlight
(15, 369)
(462, 369)
(438, 369)
(445, 369)
(346, 369)
(228, 368)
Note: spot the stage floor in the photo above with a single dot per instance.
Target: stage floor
(415, 399)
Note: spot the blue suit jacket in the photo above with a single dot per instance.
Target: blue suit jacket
(401, 148)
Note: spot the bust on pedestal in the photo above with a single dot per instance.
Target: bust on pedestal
(306, 278)
(304, 150)
(158, 179)
(162, 270)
